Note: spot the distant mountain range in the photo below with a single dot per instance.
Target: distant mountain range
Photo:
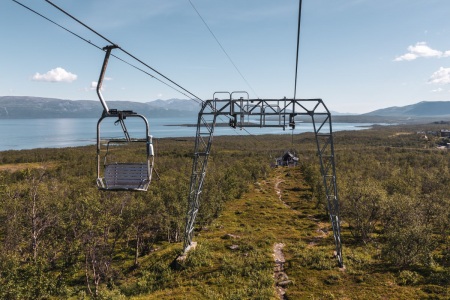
(421, 109)
(14, 107)
(422, 112)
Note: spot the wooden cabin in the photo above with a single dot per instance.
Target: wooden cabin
(287, 160)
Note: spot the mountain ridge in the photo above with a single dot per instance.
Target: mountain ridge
(420, 109)
(16, 107)
(12, 107)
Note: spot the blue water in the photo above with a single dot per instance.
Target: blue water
(17, 134)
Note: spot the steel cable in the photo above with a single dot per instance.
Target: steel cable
(126, 52)
(298, 47)
(221, 47)
(115, 56)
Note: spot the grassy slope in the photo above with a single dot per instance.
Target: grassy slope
(255, 223)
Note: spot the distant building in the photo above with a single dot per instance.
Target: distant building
(288, 159)
(445, 133)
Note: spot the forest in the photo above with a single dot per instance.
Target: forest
(62, 238)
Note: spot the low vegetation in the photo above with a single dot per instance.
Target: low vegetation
(62, 238)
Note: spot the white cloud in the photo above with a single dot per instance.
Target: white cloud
(407, 56)
(441, 76)
(55, 75)
(421, 49)
(94, 86)
(438, 90)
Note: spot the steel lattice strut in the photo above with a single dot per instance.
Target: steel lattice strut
(264, 113)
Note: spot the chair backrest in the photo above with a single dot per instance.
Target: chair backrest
(126, 176)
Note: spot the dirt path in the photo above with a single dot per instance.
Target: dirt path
(281, 279)
(278, 190)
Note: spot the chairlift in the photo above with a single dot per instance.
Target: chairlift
(129, 175)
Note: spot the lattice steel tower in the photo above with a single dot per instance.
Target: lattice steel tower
(281, 113)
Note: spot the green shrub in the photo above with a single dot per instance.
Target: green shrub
(407, 277)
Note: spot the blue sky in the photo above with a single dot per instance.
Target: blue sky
(357, 55)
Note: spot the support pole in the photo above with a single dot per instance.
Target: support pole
(102, 75)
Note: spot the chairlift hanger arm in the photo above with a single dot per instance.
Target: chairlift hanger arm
(107, 50)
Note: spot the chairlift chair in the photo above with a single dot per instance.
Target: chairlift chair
(121, 176)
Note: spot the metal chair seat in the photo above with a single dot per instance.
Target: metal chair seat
(125, 176)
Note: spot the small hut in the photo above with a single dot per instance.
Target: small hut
(287, 160)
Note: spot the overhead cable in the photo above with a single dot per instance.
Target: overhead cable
(298, 46)
(126, 52)
(124, 61)
(100, 48)
(78, 36)
(221, 47)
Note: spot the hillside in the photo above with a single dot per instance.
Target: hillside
(261, 231)
(419, 113)
(275, 243)
(34, 107)
(421, 109)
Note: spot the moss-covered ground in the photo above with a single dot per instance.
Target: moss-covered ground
(234, 256)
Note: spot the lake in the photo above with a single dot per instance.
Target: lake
(17, 134)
